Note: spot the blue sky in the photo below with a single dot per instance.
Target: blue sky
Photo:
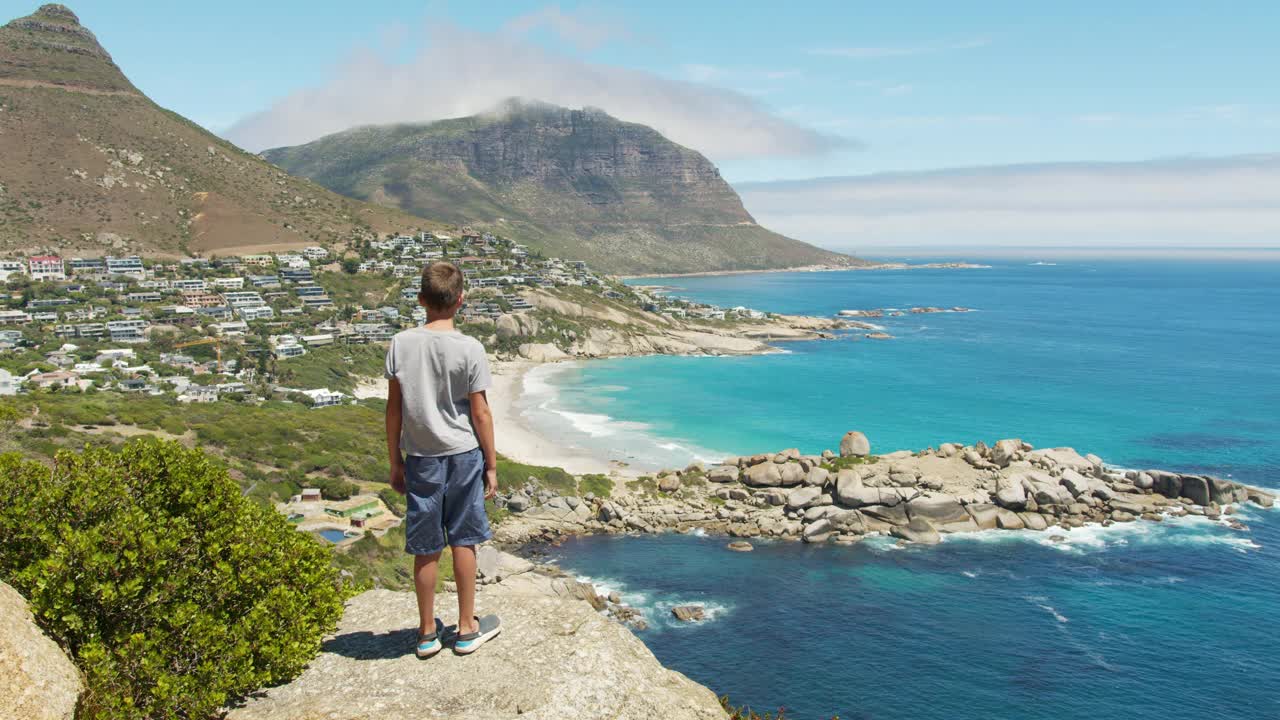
(918, 84)
(769, 91)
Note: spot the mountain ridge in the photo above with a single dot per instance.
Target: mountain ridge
(93, 166)
(577, 183)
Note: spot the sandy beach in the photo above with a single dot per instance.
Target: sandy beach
(515, 438)
(518, 441)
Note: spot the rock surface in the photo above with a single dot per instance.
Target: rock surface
(854, 443)
(37, 680)
(556, 658)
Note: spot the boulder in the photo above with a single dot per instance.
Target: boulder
(791, 474)
(738, 494)
(668, 483)
(1009, 520)
(803, 497)
(854, 444)
(1166, 483)
(817, 476)
(1196, 489)
(818, 531)
(1010, 493)
(985, 516)
(688, 613)
(1005, 452)
(891, 515)
(939, 509)
(1033, 521)
(849, 522)
(1074, 482)
(37, 680)
(776, 497)
(518, 503)
(765, 474)
(948, 449)
(541, 352)
(723, 474)
(1143, 481)
(857, 497)
(1064, 457)
(918, 530)
(1260, 498)
(740, 546)
(1222, 491)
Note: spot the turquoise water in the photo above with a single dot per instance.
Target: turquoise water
(1169, 365)
(1174, 365)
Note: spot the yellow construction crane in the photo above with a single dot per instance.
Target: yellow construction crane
(215, 342)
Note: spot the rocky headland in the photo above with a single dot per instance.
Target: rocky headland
(557, 658)
(915, 496)
(562, 328)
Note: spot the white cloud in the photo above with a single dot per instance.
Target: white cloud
(1157, 205)
(875, 53)
(460, 72)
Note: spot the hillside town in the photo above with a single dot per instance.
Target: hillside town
(218, 328)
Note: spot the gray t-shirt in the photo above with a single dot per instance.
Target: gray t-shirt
(437, 370)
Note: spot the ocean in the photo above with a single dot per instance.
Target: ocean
(1173, 365)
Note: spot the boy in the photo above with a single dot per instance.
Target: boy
(440, 443)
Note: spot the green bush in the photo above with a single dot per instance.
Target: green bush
(173, 593)
(595, 483)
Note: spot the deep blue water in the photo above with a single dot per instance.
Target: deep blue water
(1166, 365)
(1174, 364)
(1142, 621)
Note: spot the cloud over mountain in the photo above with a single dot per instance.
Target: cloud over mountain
(460, 72)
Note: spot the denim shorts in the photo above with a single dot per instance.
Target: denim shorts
(446, 502)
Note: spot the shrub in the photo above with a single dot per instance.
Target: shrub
(595, 483)
(173, 593)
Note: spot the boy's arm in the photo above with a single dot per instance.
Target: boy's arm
(394, 419)
(482, 422)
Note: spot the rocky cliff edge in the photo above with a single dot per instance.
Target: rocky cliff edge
(556, 658)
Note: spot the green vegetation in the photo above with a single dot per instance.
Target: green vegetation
(274, 449)
(850, 461)
(596, 484)
(172, 592)
(337, 367)
(512, 475)
(382, 562)
(643, 484)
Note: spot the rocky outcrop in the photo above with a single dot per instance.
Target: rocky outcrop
(912, 496)
(37, 680)
(556, 658)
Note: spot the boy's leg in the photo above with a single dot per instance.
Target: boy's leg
(464, 575)
(424, 530)
(467, 526)
(425, 569)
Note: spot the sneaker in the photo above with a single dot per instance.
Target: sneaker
(429, 644)
(489, 627)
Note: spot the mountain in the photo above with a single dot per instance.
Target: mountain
(88, 163)
(577, 184)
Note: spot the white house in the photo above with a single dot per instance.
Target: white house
(46, 267)
(9, 383)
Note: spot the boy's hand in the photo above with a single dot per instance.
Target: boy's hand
(397, 477)
(490, 484)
